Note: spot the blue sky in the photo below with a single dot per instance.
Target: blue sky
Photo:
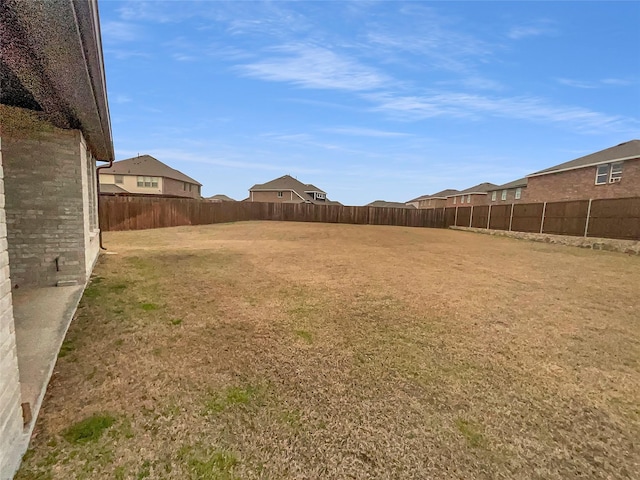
(369, 100)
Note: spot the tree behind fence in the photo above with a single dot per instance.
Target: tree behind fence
(612, 218)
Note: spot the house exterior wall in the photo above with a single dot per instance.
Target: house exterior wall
(432, 203)
(176, 187)
(50, 206)
(511, 196)
(580, 184)
(476, 199)
(287, 197)
(10, 399)
(130, 184)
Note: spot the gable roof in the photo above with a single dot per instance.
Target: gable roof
(111, 188)
(521, 182)
(287, 182)
(442, 194)
(220, 198)
(382, 203)
(624, 151)
(476, 189)
(148, 166)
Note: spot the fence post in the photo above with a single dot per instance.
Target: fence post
(489, 217)
(511, 217)
(544, 211)
(455, 218)
(471, 217)
(586, 223)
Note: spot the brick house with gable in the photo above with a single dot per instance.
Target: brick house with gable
(610, 173)
(476, 195)
(287, 189)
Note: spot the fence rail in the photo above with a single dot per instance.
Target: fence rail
(610, 218)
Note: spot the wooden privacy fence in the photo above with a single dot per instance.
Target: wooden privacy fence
(137, 213)
(606, 218)
(610, 218)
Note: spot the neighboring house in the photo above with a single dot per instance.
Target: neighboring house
(147, 175)
(476, 195)
(512, 192)
(610, 173)
(220, 198)
(55, 127)
(287, 189)
(436, 200)
(382, 203)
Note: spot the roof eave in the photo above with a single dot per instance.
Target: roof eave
(69, 85)
(613, 160)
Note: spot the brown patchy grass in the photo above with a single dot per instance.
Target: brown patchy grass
(272, 350)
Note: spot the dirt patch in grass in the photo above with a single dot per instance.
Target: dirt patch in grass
(283, 350)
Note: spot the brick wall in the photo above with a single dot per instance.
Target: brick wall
(10, 410)
(175, 187)
(287, 196)
(432, 203)
(476, 199)
(48, 211)
(511, 197)
(580, 185)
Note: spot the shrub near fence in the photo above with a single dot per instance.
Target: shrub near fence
(611, 218)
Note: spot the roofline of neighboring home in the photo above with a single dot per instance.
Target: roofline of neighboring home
(466, 193)
(612, 160)
(315, 191)
(194, 182)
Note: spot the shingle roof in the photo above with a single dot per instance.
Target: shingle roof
(442, 194)
(623, 151)
(148, 166)
(220, 198)
(521, 182)
(111, 188)
(480, 188)
(382, 203)
(287, 182)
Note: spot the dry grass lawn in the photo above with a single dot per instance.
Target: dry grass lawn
(270, 350)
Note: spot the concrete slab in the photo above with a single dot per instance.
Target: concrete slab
(42, 317)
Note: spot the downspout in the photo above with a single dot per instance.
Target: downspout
(102, 247)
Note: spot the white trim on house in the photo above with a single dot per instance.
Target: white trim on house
(613, 160)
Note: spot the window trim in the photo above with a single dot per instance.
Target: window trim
(469, 198)
(600, 174)
(503, 195)
(618, 175)
(118, 177)
(494, 195)
(518, 194)
(280, 194)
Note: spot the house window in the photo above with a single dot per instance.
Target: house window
(279, 194)
(148, 182)
(455, 199)
(119, 179)
(190, 185)
(616, 172)
(504, 195)
(602, 174)
(494, 195)
(319, 196)
(518, 193)
(468, 198)
(429, 202)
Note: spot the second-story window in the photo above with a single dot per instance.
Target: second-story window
(494, 195)
(148, 182)
(279, 194)
(518, 193)
(504, 195)
(468, 198)
(119, 179)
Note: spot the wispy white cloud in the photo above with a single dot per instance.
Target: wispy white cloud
(535, 29)
(118, 32)
(311, 66)
(522, 108)
(365, 132)
(121, 98)
(605, 82)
